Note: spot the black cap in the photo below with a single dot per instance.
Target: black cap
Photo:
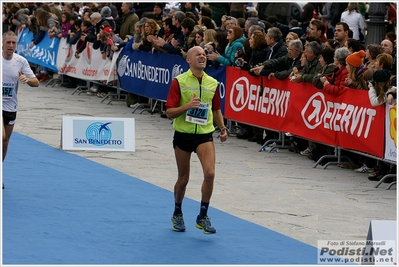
(381, 75)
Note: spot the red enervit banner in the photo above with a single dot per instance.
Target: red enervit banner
(346, 120)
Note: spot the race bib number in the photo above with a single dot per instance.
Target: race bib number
(199, 115)
(8, 91)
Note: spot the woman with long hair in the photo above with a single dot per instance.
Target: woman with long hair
(48, 22)
(381, 91)
(149, 32)
(356, 69)
(259, 47)
(354, 19)
(199, 38)
(65, 25)
(235, 37)
(209, 40)
(379, 87)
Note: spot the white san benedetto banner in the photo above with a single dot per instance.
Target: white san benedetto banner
(89, 66)
(98, 133)
(391, 137)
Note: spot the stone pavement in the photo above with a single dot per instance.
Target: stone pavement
(281, 191)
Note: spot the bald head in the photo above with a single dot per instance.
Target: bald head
(196, 58)
(387, 46)
(193, 50)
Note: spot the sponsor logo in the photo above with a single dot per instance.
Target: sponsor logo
(176, 71)
(140, 70)
(122, 65)
(338, 117)
(98, 134)
(250, 96)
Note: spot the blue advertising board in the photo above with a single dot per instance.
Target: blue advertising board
(43, 54)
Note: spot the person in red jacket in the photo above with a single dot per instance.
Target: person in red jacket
(335, 83)
(391, 17)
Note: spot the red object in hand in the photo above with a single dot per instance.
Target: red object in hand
(110, 41)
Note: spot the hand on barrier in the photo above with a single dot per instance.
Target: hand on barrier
(271, 76)
(257, 70)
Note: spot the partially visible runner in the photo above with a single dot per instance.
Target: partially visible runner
(194, 104)
(15, 69)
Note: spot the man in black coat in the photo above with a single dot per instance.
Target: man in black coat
(277, 47)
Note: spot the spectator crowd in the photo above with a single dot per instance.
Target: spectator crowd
(326, 48)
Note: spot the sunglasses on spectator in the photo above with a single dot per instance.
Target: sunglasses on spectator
(230, 31)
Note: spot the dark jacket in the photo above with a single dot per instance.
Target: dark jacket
(128, 22)
(257, 57)
(81, 45)
(146, 45)
(92, 35)
(76, 38)
(39, 37)
(297, 30)
(327, 71)
(279, 50)
(283, 28)
(282, 66)
(310, 70)
(218, 10)
(179, 36)
(393, 68)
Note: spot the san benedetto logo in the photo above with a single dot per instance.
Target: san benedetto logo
(122, 65)
(98, 134)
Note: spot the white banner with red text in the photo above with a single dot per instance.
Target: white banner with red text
(89, 66)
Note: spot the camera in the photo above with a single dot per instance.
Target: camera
(238, 62)
(228, 17)
(371, 81)
(240, 52)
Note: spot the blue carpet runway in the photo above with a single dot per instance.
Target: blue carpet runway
(59, 208)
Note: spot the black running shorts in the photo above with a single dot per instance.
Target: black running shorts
(190, 142)
(9, 117)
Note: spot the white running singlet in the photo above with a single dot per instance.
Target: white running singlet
(10, 80)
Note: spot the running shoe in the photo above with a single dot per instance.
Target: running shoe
(306, 152)
(178, 223)
(205, 225)
(364, 169)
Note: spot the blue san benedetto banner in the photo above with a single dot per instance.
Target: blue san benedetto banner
(43, 54)
(150, 75)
